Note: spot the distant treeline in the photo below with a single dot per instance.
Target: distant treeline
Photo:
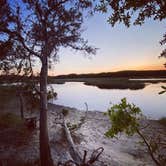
(126, 74)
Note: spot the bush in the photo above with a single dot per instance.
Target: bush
(124, 118)
(65, 112)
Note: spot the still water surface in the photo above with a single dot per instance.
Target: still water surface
(75, 94)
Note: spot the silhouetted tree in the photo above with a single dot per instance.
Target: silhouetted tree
(137, 11)
(38, 30)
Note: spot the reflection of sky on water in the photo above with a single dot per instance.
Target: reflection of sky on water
(75, 94)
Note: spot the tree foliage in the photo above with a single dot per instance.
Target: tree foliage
(123, 117)
(126, 117)
(127, 11)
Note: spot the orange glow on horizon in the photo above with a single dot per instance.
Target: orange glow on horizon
(150, 67)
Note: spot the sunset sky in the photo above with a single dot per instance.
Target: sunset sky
(120, 48)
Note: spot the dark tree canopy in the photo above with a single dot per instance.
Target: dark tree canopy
(130, 11)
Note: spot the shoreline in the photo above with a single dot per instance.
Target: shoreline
(87, 136)
(122, 151)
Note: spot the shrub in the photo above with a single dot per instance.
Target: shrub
(65, 112)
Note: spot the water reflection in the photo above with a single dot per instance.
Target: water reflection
(75, 94)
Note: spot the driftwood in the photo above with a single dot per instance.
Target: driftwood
(72, 150)
(77, 159)
(60, 119)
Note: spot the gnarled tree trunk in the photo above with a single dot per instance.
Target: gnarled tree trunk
(45, 154)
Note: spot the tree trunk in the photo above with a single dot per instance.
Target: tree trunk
(45, 154)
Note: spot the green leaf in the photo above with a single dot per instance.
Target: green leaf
(124, 118)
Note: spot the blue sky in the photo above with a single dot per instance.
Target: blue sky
(120, 48)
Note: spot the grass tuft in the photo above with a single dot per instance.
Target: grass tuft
(65, 112)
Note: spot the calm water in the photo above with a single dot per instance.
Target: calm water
(75, 94)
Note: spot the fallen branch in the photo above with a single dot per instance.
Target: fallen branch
(72, 150)
(77, 160)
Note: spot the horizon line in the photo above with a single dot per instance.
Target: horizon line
(109, 72)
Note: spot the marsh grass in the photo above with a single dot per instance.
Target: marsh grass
(106, 82)
(109, 82)
(120, 83)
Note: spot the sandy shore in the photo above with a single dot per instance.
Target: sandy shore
(87, 135)
(124, 151)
